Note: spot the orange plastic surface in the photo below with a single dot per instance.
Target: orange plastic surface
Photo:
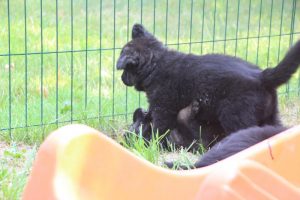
(78, 162)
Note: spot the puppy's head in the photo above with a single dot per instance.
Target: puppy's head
(139, 118)
(141, 122)
(136, 57)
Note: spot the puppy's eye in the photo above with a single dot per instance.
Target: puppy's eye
(124, 50)
(130, 66)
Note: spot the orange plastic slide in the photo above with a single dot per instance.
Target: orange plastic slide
(78, 162)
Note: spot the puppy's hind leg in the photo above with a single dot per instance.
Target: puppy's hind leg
(237, 115)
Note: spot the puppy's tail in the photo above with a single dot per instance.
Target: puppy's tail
(274, 77)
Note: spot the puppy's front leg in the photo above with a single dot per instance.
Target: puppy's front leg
(163, 121)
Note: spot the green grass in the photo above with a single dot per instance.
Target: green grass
(150, 151)
(49, 85)
(155, 153)
(16, 161)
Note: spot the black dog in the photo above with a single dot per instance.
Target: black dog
(229, 146)
(233, 93)
(186, 120)
(141, 124)
(233, 144)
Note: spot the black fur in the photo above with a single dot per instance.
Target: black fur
(233, 94)
(141, 120)
(233, 144)
(186, 119)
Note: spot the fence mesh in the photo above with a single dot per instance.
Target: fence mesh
(57, 58)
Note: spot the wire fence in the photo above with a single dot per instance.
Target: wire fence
(58, 58)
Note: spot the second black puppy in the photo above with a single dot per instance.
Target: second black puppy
(234, 94)
(185, 119)
(141, 124)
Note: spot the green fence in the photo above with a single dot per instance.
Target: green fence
(58, 58)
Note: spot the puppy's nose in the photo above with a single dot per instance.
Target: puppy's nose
(120, 63)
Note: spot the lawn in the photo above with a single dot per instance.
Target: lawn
(57, 61)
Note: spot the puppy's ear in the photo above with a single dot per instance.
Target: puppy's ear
(139, 31)
(139, 114)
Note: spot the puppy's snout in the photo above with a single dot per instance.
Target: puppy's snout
(120, 63)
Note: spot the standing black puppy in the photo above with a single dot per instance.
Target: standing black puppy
(234, 94)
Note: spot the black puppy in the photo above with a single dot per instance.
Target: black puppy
(234, 94)
(233, 144)
(187, 123)
(186, 120)
(141, 124)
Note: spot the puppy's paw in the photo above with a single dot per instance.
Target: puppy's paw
(169, 164)
(195, 108)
